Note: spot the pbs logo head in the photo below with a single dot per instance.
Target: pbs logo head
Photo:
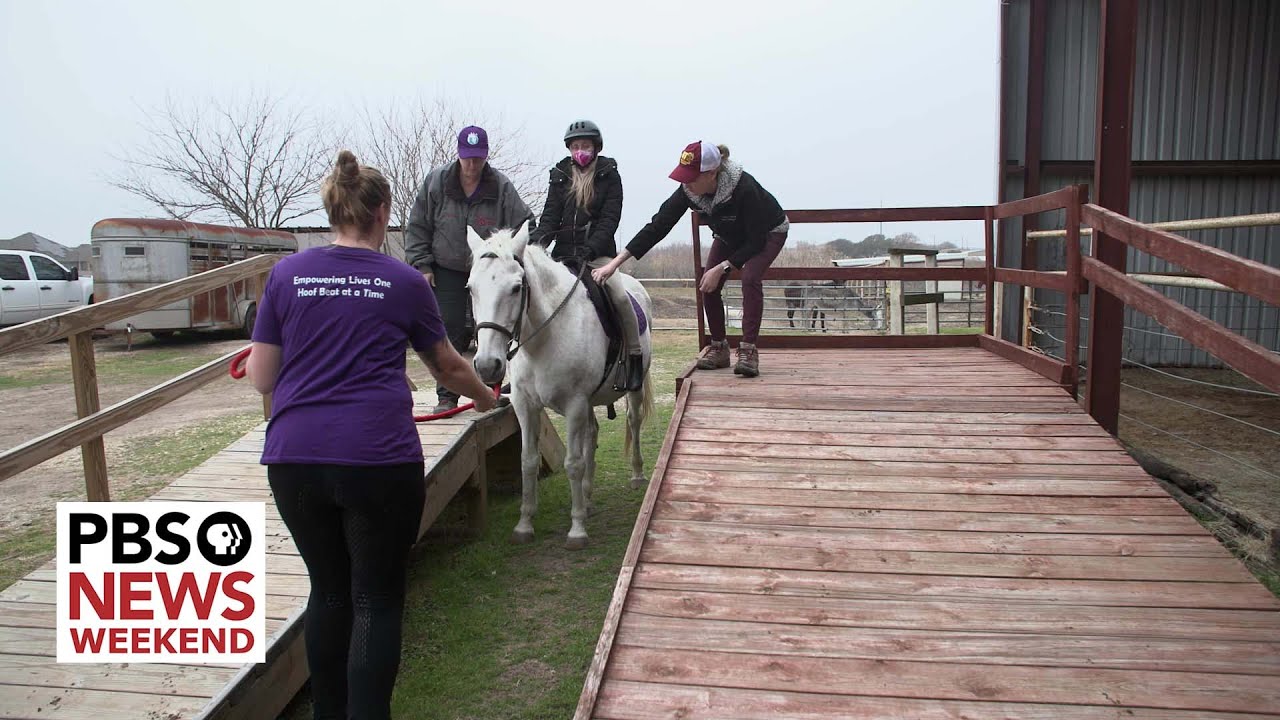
(224, 538)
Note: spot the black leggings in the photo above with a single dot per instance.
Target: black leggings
(354, 527)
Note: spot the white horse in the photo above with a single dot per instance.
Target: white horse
(531, 310)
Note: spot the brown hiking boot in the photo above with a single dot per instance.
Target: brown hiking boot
(748, 361)
(716, 357)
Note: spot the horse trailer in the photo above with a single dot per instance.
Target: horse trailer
(135, 254)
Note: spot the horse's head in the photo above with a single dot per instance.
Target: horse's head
(498, 296)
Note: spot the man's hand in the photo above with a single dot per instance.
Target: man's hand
(431, 278)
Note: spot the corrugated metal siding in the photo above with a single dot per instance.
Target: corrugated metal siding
(1155, 199)
(1071, 79)
(1207, 80)
(1015, 79)
(1207, 87)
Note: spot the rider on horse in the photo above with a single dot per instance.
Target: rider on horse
(583, 209)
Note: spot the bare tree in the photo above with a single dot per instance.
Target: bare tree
(406, 141)
(254, 162)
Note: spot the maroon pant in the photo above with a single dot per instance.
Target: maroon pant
(752, 288)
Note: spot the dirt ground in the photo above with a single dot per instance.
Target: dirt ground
(1243, 462)
(36, 397)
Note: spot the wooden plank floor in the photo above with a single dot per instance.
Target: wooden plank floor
(33, 686)
(919, 534)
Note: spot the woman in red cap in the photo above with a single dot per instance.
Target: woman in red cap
(749, 228)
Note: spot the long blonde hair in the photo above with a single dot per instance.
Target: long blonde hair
(583, 184)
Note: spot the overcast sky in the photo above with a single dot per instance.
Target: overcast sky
(828, 104)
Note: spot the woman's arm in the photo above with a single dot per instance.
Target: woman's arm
(604, 273)
(454, 372)
(263, 366)
(419, 233)
(758, 215)
(660, 226)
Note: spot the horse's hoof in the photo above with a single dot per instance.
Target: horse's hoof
(638, 482)
(521, 538)
(576, 543)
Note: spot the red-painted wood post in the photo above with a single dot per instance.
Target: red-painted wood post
(1116, 56)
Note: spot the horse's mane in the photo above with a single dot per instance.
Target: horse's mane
(534, 254)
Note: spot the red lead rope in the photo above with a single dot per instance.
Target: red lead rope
(237, 372)
(237, 363)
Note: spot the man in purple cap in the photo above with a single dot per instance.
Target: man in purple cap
(466, 192)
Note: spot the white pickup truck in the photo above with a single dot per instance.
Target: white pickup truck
(34, 285)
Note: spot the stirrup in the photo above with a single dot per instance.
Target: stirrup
(635, 373)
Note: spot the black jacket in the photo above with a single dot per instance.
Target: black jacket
(584, 235)
(742, 213)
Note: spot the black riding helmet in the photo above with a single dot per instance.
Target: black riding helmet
(584, 129)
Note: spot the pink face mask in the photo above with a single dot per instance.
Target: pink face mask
(583, 157)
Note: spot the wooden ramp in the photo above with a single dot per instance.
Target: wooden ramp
(919, 534)
(32, 686)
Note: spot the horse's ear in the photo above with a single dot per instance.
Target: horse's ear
(475, 242)
(521, 240)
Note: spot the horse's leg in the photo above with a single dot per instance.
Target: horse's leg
(635, 419)
(530, 417)
(589, 475)
(576, 461)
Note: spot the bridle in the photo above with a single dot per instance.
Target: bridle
(514, 341)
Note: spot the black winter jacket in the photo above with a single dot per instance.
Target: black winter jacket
(742, 214)
(584, 235)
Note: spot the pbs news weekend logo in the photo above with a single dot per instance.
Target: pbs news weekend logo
(165, 582)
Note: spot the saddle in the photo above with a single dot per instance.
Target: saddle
(615, 355)
(609, 321)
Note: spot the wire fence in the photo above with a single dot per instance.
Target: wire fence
(1047, 337)
(853, 306)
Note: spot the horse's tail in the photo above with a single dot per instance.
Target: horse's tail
(642, 414)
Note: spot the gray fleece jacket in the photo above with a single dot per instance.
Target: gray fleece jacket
(437, 231)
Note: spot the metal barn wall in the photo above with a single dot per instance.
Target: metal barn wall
(1206, 88)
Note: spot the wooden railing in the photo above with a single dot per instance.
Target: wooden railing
(1082, 274)
(889, 274)
(77, 327)
(1069, 199)
(1254, 279)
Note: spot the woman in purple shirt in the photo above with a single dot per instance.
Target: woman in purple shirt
(342, 452)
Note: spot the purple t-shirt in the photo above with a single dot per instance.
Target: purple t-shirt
(343, 318)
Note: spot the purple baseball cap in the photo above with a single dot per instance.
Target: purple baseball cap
(473, 142)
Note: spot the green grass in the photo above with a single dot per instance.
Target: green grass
(151, 362)
(177, 451)
(494, 630)
(34, 378)
(152, 463)
(1271, 580)
(26, 549)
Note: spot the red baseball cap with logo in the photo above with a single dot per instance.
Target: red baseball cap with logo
(697, 158)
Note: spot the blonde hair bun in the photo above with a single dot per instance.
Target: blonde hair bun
(352, 194)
